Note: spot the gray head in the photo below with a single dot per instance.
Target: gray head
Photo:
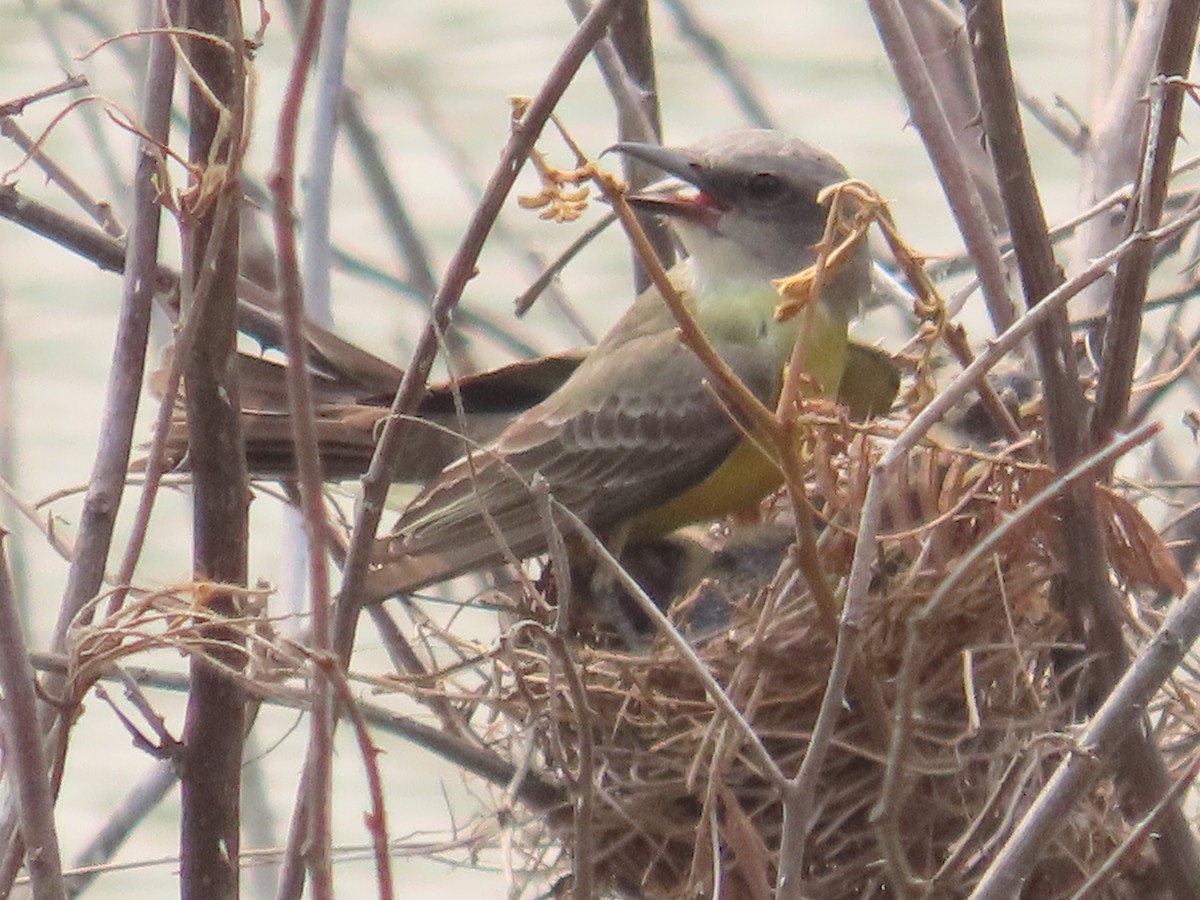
(758, 189)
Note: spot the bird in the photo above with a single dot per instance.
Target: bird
(634, 441)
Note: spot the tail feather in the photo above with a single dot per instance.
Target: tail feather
(408, 574)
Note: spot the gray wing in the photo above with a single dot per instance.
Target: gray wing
(631, 429)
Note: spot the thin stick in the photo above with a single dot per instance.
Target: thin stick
(100, 212)
(1087, 594)
(318, 799)
(857, 590)
(887, 810)
(1100, 739)
(1111, 152)
(377, 481)
(24, 754)
(214, 726)
(1129, 290)
(711, 686)
(1138, 835)
(376, 819)
(713, 50)
(960, 191)
(464, 753)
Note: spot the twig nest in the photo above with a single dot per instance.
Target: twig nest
(677, 798)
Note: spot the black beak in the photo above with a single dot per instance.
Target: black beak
(683, 165)
(671, 160)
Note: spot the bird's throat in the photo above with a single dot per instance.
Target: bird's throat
(743, 312)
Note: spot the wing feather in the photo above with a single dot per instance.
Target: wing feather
(633, 427)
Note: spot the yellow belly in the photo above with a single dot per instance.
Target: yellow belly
(747, 475)
(738, 484)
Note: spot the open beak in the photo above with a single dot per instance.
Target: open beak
(671, 160)
(668, 199)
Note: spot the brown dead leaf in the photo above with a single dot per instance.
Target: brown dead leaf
(1136, 550)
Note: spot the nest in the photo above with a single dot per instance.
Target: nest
(664, 795)
(675, 796)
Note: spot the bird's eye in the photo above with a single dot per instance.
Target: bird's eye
(765, 186)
